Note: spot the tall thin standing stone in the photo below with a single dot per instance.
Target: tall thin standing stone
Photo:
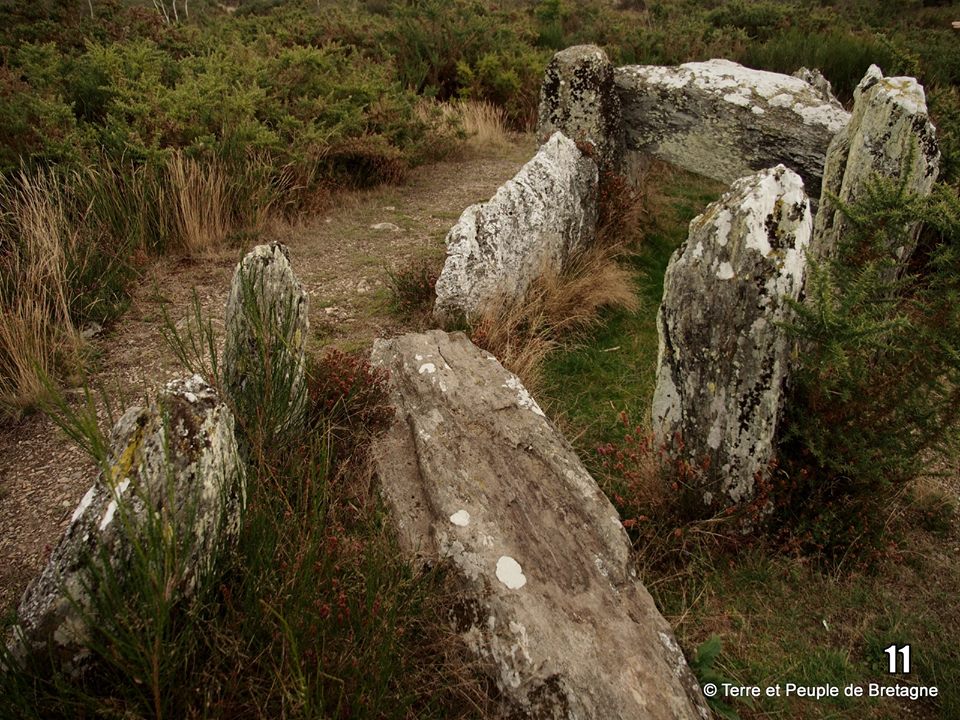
(724, 354)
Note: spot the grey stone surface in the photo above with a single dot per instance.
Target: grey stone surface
(723, 357)
(267, 308)
(534, 223)
(475, 475)
(815, 79)
(173, 468)
(578, 98)
(725, 121)
(889, 135)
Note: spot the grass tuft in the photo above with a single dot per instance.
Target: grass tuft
(38, 338)
(557, 308)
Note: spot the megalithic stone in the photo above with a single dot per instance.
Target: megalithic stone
(723, 356)
(267, 312)
(535, 223)
(174, 476)
(578, 97)
(726, 121)
(549, 603)
(890, 135)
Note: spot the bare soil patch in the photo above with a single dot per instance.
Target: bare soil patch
(342, 262)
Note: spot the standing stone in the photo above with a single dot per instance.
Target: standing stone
(889, 135)
(725, 121)
(533, 224)
(578, 98)
(174, 473)
(548, 600)
(266, 313)
(723, 355)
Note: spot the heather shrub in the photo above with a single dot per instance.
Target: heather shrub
(348, 396)
(465, 49)
(759, 20)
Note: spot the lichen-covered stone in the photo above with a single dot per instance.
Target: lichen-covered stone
(267, 312)
(173, 472)
(889, 135)
(534, 223)
(815, 79)
(723, 355)
(725, 121)
(548, 601)
(579, 99)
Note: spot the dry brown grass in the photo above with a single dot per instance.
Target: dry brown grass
(37, 334)
(483, 125)
(557, 308)
(200, 202)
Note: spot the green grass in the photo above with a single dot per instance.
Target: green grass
(784, 620)
(780, 619)
(614, 369)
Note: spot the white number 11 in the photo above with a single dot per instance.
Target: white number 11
(892, 653)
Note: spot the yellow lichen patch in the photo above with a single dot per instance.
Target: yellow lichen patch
(122, 466)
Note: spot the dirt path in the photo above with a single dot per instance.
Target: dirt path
(341, 261)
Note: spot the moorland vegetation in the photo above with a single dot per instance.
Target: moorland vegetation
(131, 131)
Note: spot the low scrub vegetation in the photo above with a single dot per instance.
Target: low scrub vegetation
(312, 614)
(175, 132)
(861, 503)
(131, 131)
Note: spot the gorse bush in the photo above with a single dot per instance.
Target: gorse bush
(842, 56)
(877, 393)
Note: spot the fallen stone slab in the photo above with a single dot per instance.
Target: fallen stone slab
(724, 355)
(175, 472)
(474, 475)
(890, 135)
(578, 98)
(266, 314)
(725, 121)
(534, 223)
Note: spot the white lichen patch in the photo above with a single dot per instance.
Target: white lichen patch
(510, 573)
(84, 504)
(725, 271)
(601, 568)
(460, 518)
(427, 368)
(112, 507)
(524, 399)
(522, 644)
(825, 115)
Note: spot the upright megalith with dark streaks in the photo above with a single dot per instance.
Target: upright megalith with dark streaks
(578, 97)
(724, 354)
(890, 135)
